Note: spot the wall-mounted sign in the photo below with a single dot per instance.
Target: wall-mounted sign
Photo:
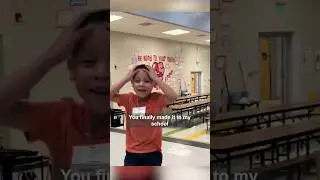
(164, 66)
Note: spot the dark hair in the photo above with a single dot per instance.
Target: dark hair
(141, 66)
(96, 17)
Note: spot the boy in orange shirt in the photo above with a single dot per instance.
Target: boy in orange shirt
(69, 129)
(143, 144)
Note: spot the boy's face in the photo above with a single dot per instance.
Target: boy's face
(142, 84)
(91, 70)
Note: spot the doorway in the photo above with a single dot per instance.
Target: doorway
(1, 57)
(196, 83)
(275, 56)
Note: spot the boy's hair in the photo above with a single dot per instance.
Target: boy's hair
(96, 17)
(141, 66)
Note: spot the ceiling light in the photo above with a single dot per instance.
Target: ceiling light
(115, 17)
(208, 40)
(176, 32)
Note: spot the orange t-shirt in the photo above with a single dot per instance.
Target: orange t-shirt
(61, 125)
(143, 139)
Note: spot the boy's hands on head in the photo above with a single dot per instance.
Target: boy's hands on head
(66, 41)
(130, 74)
(152, 74)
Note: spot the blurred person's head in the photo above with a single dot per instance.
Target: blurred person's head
(141, 82)
(89, 62)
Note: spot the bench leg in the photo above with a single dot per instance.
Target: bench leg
(317, 157)
(262, 158)
(288, 147)
(299, 173)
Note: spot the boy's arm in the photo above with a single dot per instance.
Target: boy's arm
(18, 85)
(115, 88)
(15, 87)
(167, 90)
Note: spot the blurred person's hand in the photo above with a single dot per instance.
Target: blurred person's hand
(66, 41)
(130, 73)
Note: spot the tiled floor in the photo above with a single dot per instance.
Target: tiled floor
(174, 154)
(197, 133)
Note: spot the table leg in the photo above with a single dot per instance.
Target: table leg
(278, 153)
(308, 152)
(272, 153)
(283, 118)
(288, 148)
(308, 145)
(269, 120)
(228, 164)
(298, 147)
(7, 171)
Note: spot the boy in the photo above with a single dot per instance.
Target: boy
(66, 127)
(143, 144)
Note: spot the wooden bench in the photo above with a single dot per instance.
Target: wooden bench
(268, 136)
(233, 122)
(238, 126)
(193, 117)
(286, 168)
(241, 153)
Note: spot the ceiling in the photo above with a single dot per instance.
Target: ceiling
(130, 24)
(160, 5)
(194, 20)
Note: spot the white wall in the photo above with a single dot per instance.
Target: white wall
(124, 45)
(249, 17)
(24, 42)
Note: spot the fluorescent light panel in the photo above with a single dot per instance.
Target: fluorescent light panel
(115, 17)
(176, 32)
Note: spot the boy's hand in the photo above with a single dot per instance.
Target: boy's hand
(130, 74)
(65, 43)
(152, 74)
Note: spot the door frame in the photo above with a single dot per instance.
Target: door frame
(1, 56)
(286, 71)
(199, 83)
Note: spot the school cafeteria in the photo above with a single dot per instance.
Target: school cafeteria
(265, 91)
(179, 54)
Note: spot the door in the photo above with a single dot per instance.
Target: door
(196, 83)
(193, 84)
(265, 70)
(275, 69)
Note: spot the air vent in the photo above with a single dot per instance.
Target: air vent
(145, 24)
(201, 35)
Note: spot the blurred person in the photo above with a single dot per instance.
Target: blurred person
(69, 129)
